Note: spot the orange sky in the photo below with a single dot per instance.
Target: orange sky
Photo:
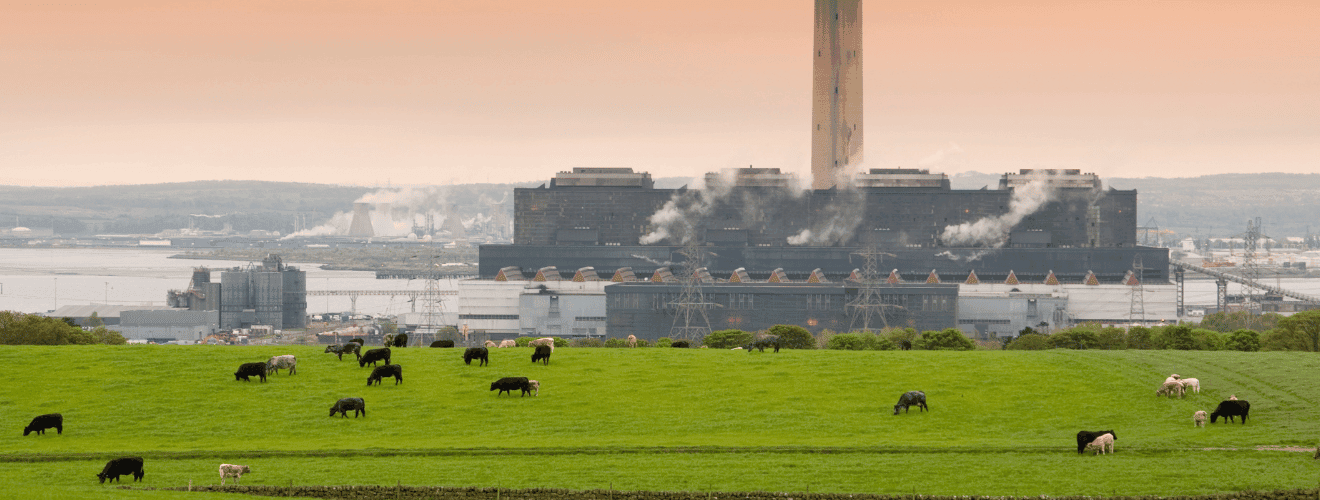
(433, 92)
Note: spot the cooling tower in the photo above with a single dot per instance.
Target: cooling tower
(361, 226)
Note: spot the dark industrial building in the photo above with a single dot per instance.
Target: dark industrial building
(270, 294)
(598, 217)
(647, 309)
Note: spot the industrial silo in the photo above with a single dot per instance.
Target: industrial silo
(295, 298)
(268, 298)
(234, 297)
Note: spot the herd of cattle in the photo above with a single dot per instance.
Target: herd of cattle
(1102, 442)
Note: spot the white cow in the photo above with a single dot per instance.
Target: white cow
(546, 341)
(275, 363)
(535, 385)
(508, 343)
(234, 471)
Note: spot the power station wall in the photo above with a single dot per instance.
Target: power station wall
(913, 264)
(295, 299)
(647, 311)
(768, 216)
(268, 298)
(235, 296)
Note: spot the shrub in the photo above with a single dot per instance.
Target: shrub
(1207, 340)
(31, 329)
(1078, 337)
(879, 343)
(847, 342)
(1243, 340)
(1029, 342)
(643, 343)
(949, 339)
(681, 344)
(522, 341)
(585, 342)
(1139, 337)
(793, 337)
(664, 342)
(616, 343)
(1111, 338)
(1177, 337)
(900, 336)
(727, 339)
(560, 342)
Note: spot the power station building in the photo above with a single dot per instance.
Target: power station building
(270, 294)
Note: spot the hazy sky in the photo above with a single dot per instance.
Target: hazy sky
(440, 91)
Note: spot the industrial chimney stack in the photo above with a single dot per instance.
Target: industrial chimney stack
(836, 107)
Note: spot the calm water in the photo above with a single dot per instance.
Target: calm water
(39, 280)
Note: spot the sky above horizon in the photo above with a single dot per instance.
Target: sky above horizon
(439, 92)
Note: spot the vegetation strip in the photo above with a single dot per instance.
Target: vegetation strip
(472, 493)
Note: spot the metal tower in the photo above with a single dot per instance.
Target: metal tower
(690, 320)
(869, 302)
(1250, 270)
(1137, 311)
(434, 307)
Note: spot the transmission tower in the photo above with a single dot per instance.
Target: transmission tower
(690, 320)
(1250, 270)
(433, 307)
(1137, 311)
(869, 302)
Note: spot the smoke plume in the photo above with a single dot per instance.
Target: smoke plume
(993, 231)
(837, 222)
(679, 217)
(395, 212)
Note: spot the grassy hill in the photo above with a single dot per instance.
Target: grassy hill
(1001, 422)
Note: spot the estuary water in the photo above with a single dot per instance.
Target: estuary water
(39, 280)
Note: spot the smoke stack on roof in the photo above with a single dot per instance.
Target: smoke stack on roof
(361, 226)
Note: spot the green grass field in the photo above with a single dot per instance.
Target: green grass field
(1002, 422)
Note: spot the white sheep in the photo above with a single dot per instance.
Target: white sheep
(632, 341)
(508, 343)
(1170, 388)
(1191, 384)
(546, 341)
(491, 345)
(1102, 444)
(536, 388)
(1198, 418)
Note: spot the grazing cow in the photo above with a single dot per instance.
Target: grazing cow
(1190, 384)
(246, 370)
(491, 345)
(1230, 409)
(761, 344)
(275, 363)
(1086, 437)
(680, 343)
(374, 355)
(380, 372)
(509, 384)
(343, 406)
(911, 398)
(442, 343)
(1102, 444)
(480, 353)
(122, 467)
(359, 342)
(535, 386)
(1198, 418)
(542, 354)
(234, 471)
(508, 343)
(545, 341)
(42, 422)
(632, 341)
(340, 350)
(1170, 388)
(905, 345)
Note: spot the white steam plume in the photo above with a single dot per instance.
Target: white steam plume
(993, 231)
(837, 222)
(679, 217)
(393, 213)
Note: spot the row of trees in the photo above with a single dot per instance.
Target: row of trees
(30, 329)
(1299, 332)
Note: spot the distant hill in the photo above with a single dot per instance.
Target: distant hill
(1211, 205)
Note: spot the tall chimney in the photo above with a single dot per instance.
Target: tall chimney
(836, 108)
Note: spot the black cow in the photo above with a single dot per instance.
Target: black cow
(246, 370)
(1231, 408)
(542, 354)
(771, 341)
(401, 340)
(122, 467)
(380, 372)
(480, 353)
(350, 347)
(43, 422)
(508, 384)
(357, 405)
(374, 355)
(442, 343)
(680, 343)
(1085, 437)
(359, 342)
(911, 398)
